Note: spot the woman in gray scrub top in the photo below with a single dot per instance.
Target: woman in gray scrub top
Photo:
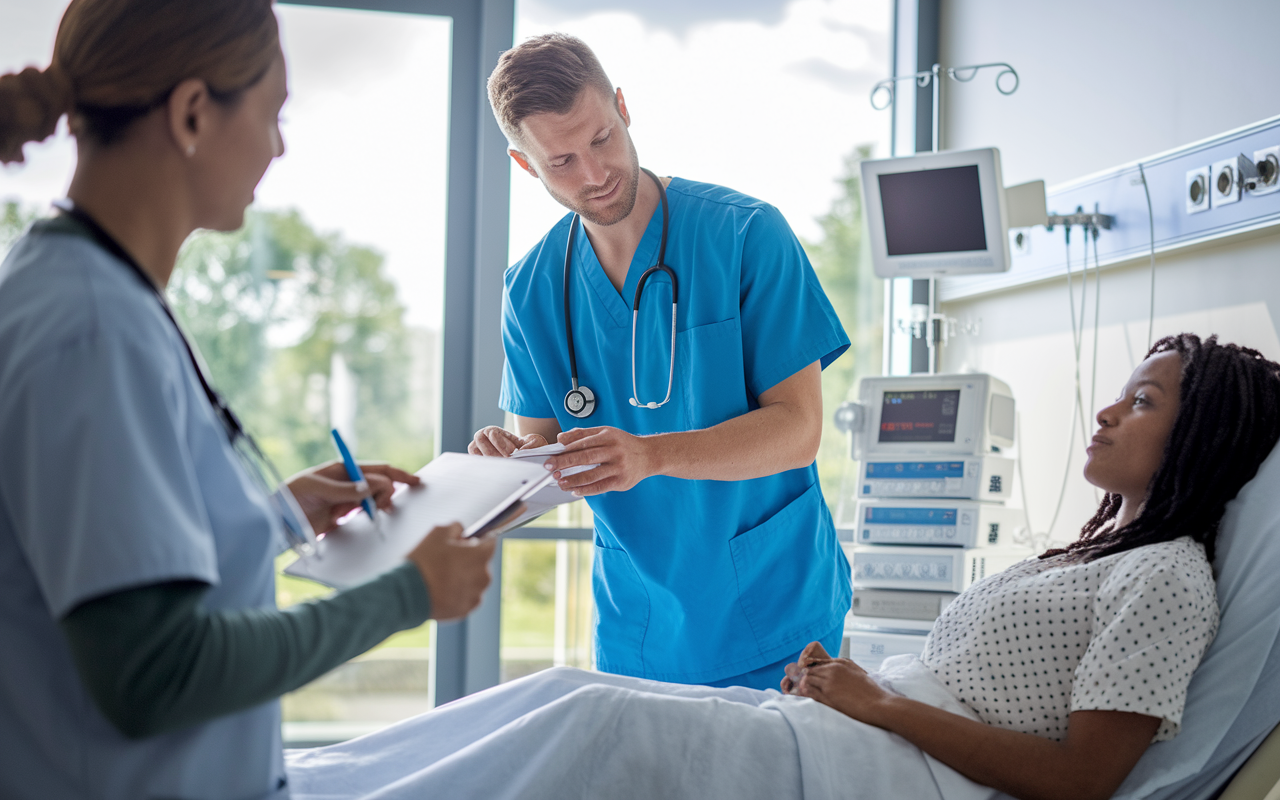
(142, 652)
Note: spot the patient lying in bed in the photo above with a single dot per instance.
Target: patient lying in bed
(1050, 679)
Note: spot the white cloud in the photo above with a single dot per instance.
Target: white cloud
(770, 110)
(748, 105)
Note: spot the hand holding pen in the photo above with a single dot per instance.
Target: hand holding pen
(353, 472)
(326, 494)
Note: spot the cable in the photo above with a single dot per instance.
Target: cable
(1077, 331)
(1097, 312)
(1151, 222)
(1034, 541)
(1077, 413)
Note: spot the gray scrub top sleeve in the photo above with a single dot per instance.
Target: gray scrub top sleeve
(99, 482)
(154, 660)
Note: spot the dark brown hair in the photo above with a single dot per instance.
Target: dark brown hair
(1228, 422)
(542, 75)
(116, 60)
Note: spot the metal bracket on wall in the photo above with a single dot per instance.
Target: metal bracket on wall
(1080, 219)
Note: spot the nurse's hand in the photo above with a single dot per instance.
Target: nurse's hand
(455, 569)
(623, 460)
(326, 495)
(494, 441)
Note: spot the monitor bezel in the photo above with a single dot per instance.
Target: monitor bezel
(927, 265)
(974, 400)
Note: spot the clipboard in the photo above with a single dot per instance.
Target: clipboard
(481, 492)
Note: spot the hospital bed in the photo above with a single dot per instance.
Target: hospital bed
(1259, 778)
(1231, 725)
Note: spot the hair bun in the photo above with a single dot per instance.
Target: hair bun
(31, 103)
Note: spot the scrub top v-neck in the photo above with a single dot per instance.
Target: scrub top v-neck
(694, 581)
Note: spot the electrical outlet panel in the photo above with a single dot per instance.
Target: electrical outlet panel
(1268, 162)
(1197, 195)
(1225, 182)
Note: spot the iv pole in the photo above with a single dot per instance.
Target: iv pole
(931, 325)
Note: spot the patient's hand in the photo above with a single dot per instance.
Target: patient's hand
(838, 683)
(815, 653)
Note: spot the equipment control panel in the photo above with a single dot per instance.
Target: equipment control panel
(962, 523)
(935, 569)
(973, 478)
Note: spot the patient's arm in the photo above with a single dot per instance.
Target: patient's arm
(1100, 750)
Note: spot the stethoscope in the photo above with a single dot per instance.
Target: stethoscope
(580, 402)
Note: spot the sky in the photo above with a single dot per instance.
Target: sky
(768, 98)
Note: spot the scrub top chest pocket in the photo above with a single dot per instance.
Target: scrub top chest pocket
(711, 376)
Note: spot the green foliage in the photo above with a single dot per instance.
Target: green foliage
(270, 306)
(14, 219)
(528, 592)
(843, 264)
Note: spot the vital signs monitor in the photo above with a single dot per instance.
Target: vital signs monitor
(936, 415)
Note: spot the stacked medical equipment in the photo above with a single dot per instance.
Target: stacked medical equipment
(926, 517)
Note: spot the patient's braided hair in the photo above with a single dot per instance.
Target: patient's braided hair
(1228, 421)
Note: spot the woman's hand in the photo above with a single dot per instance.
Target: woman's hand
(455, 569)
(838, 683)
(326, 495)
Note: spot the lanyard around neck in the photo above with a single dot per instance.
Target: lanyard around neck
(108, 243)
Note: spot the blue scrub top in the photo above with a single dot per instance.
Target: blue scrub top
(694, 581)
(114, 474)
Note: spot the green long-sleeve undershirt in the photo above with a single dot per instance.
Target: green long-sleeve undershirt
(155, 660)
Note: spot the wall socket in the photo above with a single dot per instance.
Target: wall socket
(1197, 195)
(1268, 163)
(1225, 183)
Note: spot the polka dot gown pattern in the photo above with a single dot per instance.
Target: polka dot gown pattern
(1027, 646)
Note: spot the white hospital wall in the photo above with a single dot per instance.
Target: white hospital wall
(1105, 83)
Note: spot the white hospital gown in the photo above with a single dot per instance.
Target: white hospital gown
(1028, 646)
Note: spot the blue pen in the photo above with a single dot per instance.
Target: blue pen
(353, 471)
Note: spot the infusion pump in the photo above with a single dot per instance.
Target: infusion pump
(934, 415)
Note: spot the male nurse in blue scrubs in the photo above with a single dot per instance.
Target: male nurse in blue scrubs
(716, 560)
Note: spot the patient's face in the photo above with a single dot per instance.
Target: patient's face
(1132, 432)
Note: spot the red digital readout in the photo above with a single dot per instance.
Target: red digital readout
(906, 426)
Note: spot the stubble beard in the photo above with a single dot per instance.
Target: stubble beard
(621, 207)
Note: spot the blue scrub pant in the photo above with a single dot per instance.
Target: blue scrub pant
(770, 675)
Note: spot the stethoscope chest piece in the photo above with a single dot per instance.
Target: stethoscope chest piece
(580, 402)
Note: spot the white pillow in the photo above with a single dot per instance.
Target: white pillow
(1233, 700)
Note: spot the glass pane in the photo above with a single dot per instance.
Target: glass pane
(26, 39)
(348, 231)
(547, 611)
(769, 99)
(325, 309)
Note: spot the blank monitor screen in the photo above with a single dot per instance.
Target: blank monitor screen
(932, 211)
(919, 416)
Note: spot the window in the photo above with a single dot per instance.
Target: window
(770, 99)
(325, 309)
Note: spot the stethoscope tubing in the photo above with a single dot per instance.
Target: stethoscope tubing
(580, 393)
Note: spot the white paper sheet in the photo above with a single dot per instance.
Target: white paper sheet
(551, 495)
(456, 488)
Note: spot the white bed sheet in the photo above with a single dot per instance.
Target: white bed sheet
(565, 733)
